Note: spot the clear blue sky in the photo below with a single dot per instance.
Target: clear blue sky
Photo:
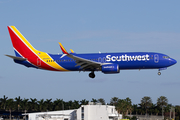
(90, 27)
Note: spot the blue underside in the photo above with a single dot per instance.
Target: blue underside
(25, 63)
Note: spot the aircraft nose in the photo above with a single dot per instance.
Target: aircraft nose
(173, 61)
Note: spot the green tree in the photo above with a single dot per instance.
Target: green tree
(33, 104)
(162, 101)
(101, 100)
(25, 105)
(94, 101)
(152, 109)
(18, 102)
(84, 102)
(156, 111)
(128, 105)
(70, 104)
(41, 105)
(48, 104)
(114, 101)
(3, 102)
(146, 103)
(76, 104)
(135, 109)
(58, 104)
(121, 106)
(177, 109)
(10, 106)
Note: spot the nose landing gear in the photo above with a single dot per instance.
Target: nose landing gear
(92, 75)
(159, 73)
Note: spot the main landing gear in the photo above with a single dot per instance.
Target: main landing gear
(92, 75)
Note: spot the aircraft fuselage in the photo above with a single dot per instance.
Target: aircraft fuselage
(108, 63)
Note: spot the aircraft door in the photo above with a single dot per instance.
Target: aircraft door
(156, 58)
(103, 60)
(99, 59)
(38, 62)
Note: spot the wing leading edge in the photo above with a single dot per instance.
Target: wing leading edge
(84, 63)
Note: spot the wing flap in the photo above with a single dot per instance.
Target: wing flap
(84, 63)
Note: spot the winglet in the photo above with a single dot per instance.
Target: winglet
(72, 51)
(63, 49)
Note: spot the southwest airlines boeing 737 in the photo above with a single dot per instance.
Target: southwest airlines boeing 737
(107, 63)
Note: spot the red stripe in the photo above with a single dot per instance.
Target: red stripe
(64, 51)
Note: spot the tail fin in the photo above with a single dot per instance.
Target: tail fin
(21, 46)
(27, 55)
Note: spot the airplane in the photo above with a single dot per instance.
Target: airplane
(108, 63)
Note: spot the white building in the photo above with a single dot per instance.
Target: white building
(85, 112)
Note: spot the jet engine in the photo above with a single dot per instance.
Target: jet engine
(110, 68)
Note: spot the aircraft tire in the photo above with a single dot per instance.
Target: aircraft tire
(91, 75)
(159, 73)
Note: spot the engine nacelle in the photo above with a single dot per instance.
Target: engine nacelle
(110, 68)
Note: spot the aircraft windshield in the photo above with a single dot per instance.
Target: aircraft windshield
(166, 57)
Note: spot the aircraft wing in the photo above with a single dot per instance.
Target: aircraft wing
(84, 63)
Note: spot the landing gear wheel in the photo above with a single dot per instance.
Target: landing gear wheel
(92, 75)
(159, 73)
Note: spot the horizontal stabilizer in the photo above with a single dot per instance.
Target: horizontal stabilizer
(16, 58)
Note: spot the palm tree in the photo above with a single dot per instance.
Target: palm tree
(41, 105)
(162, 101)
(76, 104)
(114, 101)
(128, 105)
(121, 106)
(48, 104)
(69, 104)
(94, 101)
(156, 110)
(177, 109)
(152, 108)
(58, 104)
(18, 102)
(24, 104)
(33, 104)
(10, 106)
(3, 102)
(146, 103)
(101, 100)
(135, 108)
(84, 102)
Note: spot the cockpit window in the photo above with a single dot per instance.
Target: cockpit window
(166, 57)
